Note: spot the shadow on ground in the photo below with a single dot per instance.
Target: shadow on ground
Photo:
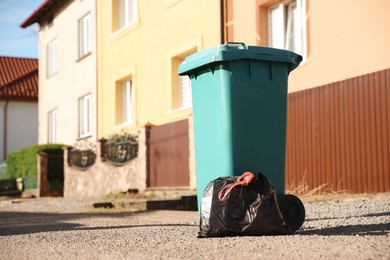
(350, 230)
(22, 223)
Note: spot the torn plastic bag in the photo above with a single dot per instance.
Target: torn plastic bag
(241, 205)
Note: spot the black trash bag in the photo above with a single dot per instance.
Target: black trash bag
(241, 205)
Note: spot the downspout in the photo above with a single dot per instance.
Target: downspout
(222, 16)
(97, 71)
(5, 129)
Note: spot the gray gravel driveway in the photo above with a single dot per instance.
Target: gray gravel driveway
(336, 227)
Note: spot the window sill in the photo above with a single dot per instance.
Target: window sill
(115, 35)
(51, 75)
(125, 124)
(84, 56)
(170, 3)
(180, 109)
(85, 136)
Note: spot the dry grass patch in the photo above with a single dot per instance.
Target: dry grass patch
(323, 193)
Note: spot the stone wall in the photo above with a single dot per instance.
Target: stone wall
(102, 178)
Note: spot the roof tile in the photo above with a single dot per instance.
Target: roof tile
(18, 78)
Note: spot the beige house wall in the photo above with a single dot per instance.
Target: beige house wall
(74, 79)
(345, 38)
(22, 126)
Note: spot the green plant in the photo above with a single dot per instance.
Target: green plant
(122, 136)
(23, 163)
(85, 145)
(3, 171)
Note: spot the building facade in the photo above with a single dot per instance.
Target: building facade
(338, 119)
(121, 79)
(109, 68)
(141, 45)
(18, 104)
(67, 70)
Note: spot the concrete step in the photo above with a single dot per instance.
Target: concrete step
(171, 198)
(188, 203)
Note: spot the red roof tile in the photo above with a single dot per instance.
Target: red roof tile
(18, 78)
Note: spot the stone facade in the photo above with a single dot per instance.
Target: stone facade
(103, 178)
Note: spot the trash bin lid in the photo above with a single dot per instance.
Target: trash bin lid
(237, 51)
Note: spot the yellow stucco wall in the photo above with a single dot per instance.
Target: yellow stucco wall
(345, 38)
(144, 51)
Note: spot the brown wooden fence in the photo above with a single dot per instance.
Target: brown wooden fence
(339, 135)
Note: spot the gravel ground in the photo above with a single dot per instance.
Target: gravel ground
(336, 227)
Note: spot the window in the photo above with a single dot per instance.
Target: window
(287, 26)
(124, 102)
(52, 126)
(125, 13)
(51, 58)
(84, 36)
(181, 91)
(85, 116)
(184, 90)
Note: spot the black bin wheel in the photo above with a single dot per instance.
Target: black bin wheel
(292, 210)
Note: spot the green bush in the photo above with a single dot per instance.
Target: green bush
(3, 171)
(23, 163)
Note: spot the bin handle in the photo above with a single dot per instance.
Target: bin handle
(239, 45)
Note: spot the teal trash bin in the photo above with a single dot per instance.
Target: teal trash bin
(239, 99)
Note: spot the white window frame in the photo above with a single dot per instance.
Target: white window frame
(127, 13)
(284, 19)
(85, 116)
(52, 58)
(85, 36)
(52, 126)
(184, 90)
(127, 102)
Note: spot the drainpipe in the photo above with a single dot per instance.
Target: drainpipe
(5, 129)
(97, 72)
(223, 19)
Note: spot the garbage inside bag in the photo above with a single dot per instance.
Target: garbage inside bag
(243, 205)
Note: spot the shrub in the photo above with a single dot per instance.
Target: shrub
(3, 171)
(23, 163)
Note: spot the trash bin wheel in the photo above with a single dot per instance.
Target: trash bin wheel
(292, 210)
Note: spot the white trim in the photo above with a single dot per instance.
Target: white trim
(52, 124)
(181, 51)
(127, 13)
(52, 57)
(184, 89)
(128, 73)
(276, 36)
(127, 101)
(85, 116)
(285, 20)
(85, 38)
